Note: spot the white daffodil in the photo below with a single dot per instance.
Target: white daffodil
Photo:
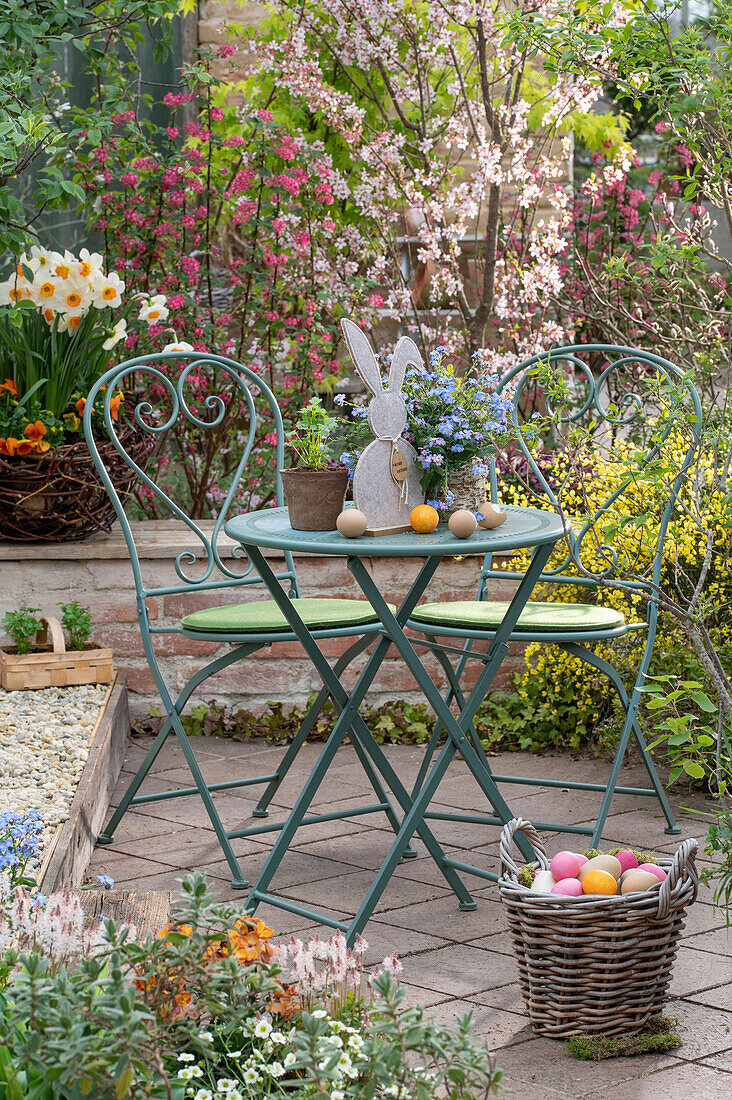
(180, 346)
(119, 332)
(41, 260)
(13, 290)
(107, 290)
(68, 322)
(89, 263)
(154, 309)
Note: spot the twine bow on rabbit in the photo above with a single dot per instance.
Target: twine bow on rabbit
(377, 490)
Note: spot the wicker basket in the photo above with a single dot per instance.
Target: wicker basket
(59, 497)
(594, 964)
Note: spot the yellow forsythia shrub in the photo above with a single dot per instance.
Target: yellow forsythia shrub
(564, 700)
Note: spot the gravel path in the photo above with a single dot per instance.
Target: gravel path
(44, 743)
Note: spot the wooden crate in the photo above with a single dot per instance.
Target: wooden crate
(53, 666)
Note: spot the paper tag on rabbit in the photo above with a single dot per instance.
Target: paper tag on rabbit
(399, 467)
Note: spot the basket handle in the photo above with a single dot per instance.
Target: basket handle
(684, 864)
(508, 865)
(52, 625)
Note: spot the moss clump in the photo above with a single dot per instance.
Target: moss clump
(526, 875)
(591, 853)
(656, 1036)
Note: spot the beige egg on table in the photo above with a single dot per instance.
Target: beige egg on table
(462, 523)
(352, 523)
(493, 516)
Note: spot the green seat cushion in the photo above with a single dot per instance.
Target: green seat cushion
(536, 617)
(265, 617)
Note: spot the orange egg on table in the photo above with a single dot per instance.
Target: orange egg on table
(599, 882)
(424, 518)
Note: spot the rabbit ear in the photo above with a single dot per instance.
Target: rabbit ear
(362, 356)
(406, 354)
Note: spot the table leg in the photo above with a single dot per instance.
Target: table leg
(348, 720)
(456, 728)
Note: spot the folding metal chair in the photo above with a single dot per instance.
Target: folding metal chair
(671, 412)
(247, 627)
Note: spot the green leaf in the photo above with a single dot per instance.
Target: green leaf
(703, 701)
(696, 771)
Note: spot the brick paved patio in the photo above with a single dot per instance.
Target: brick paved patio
(453, 962)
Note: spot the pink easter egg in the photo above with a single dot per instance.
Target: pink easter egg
(572, 887)
(653, 868)
(565, 865)
(627, 859)
(582, 859)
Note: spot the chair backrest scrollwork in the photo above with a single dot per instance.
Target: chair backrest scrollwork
(166, 386)
(623, 396)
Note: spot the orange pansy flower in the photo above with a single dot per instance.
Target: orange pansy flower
(13, 446)
(80, 405)
(35, 432)
(114, 405)
(10, 386)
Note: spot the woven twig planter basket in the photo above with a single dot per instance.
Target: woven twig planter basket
(594, 964)
(58, 496)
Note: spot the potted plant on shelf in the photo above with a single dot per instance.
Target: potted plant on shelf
(41, 663)
(315, 488)
(60, 317)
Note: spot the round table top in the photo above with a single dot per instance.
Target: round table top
(270, 529)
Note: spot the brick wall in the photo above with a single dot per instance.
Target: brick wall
(97, 573)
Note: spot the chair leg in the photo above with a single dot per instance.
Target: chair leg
(454, 692)
(107, 834)
(261, 809)
(630, 706)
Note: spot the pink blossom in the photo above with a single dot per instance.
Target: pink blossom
(129, 179)
(661, 127)
(101, 154)
(225, 50)
(216, 114)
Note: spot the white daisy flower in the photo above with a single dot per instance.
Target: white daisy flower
(262, 1028)
(186, 1057)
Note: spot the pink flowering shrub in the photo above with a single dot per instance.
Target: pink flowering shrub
(229, 217)
(638, 273)
(454, 159)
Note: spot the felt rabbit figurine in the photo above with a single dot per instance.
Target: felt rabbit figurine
(387, 480)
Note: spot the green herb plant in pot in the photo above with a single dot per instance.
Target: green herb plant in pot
(315, 488)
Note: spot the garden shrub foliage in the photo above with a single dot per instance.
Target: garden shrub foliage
(201, 1010)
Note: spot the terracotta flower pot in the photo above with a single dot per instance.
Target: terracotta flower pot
(315, 498)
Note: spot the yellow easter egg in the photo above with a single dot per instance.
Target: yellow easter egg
(599, 882)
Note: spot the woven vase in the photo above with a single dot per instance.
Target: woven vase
(469, 489)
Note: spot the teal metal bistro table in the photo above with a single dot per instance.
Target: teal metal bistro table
(269, 529)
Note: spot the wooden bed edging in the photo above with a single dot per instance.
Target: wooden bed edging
(68, 857)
